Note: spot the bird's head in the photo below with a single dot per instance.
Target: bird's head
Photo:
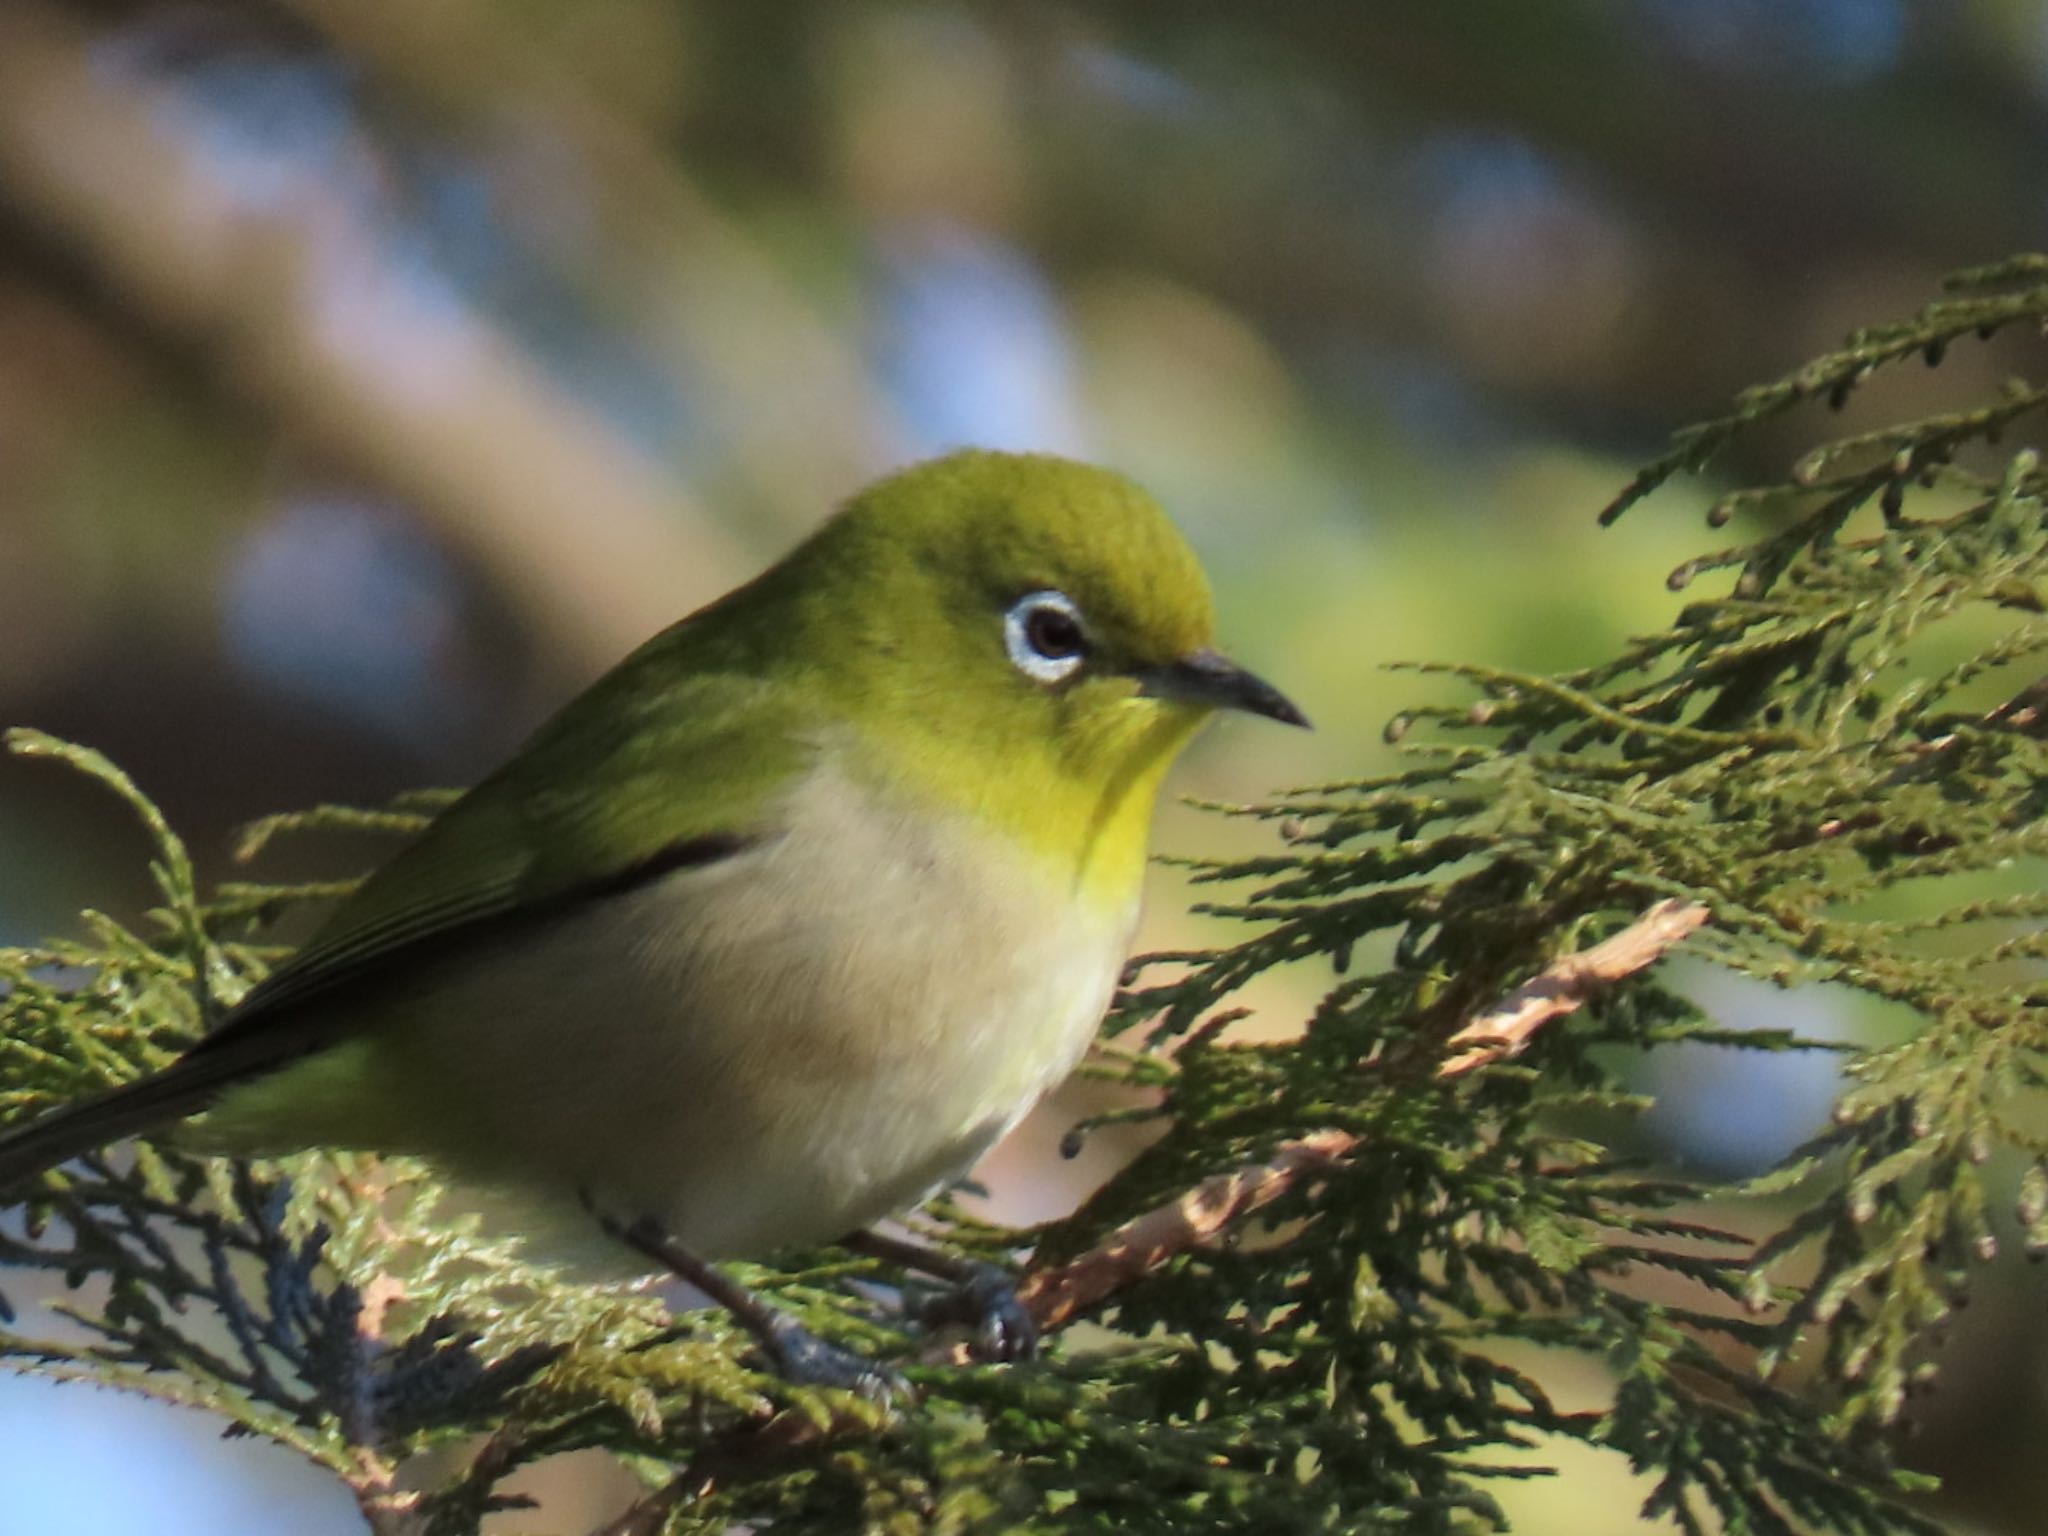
(1020, 625)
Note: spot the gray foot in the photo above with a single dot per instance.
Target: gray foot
(983, 1299)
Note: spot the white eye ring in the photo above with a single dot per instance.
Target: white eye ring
(1045, 637)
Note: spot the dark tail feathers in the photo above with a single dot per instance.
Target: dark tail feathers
(184, 1088)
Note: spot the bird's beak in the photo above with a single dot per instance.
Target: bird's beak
(1215, 680)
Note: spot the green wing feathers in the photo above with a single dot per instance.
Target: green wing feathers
(652, 770)
(613, 790)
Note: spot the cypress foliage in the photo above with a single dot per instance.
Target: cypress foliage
(1325, 1293)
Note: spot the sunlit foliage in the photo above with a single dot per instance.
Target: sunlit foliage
(1834, 756)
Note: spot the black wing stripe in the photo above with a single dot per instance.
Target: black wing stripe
(289, 989)
(685, 853)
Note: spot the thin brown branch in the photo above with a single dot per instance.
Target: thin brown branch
(1140, 1246)
(390, 1509)
(1566, 983)
(1148, 1242)
(386, 1509)
(2025, 712)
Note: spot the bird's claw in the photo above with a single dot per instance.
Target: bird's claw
(804, 1359)
(985, 1301)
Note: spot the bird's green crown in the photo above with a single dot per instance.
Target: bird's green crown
(955, 540)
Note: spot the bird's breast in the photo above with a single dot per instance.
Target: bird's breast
(797, 1041)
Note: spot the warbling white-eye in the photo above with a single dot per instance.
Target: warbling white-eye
(777, 927)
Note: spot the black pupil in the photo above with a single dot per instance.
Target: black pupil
(1053, 634)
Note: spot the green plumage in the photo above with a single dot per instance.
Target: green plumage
(783, 920)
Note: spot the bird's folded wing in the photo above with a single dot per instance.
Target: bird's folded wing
(659, 767)
(644, 776)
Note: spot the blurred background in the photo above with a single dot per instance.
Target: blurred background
(373, 374)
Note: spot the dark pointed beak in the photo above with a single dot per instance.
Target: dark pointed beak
(1215, 680)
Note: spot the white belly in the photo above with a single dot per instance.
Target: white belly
(775, 1050)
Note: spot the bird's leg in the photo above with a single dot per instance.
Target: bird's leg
(798, 1355)
(977, 1294)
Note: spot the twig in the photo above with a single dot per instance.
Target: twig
(388, 1510)
(1148, 1242)
(1508, 1026)
(1143, 1245)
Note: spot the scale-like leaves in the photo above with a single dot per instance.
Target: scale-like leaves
(1841, 757)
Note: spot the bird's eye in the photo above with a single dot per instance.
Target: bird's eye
(1045, 637)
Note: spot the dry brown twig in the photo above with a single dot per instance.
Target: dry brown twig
(1135, 1249)
(1565, 984)
(1148, 1242)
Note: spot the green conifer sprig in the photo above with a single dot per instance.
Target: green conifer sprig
(1983, 301)
(1840, 757)
(1783, 755)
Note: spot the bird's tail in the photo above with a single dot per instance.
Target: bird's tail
(183, 1088)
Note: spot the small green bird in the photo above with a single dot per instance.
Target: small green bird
(775, 929)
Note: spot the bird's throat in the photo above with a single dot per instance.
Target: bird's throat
(1081, 809)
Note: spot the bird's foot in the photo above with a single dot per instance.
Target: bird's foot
(983, 1298)
(796, 1354)
(803, 1359)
